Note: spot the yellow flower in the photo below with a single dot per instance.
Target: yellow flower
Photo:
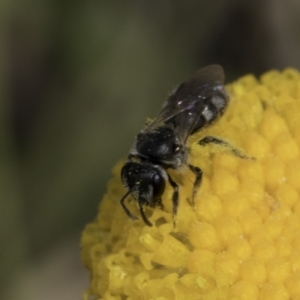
(242, 239)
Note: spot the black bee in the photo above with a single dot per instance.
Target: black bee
(195, 104)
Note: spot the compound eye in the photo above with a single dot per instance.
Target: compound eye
(158, 183)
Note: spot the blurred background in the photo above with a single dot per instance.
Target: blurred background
(77, 80)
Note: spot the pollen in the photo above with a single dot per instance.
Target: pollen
(241, 238)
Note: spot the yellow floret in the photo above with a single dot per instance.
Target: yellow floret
(241, 240)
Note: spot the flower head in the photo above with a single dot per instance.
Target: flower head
(242, 238)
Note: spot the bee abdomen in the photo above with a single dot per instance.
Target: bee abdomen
(212, 111)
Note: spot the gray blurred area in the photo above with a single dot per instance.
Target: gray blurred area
(77, 81)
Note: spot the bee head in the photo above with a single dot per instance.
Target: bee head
(146, 183)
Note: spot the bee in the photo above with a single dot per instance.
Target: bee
(161, 145)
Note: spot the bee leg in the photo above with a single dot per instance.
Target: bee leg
(145, 219)
(198, 173)
(160, 204)
(175, 196)
(129, 214)
(213, 140)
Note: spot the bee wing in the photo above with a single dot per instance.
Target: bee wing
(190, 101)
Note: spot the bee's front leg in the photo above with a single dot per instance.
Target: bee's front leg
(175, 196)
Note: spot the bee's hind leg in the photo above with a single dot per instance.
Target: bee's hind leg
(214, 140)
(198, 173)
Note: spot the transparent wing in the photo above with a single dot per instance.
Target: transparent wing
(190, 101)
